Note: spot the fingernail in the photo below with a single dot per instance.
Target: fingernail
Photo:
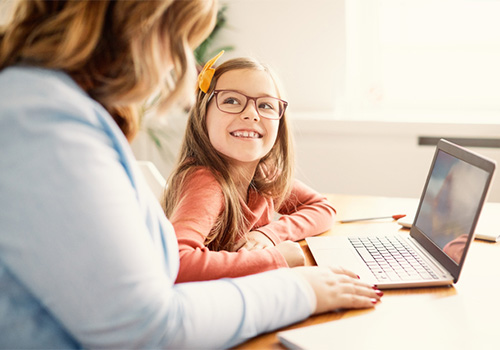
(374, 301)
(379, 293)
(375, 287)
(358, 277)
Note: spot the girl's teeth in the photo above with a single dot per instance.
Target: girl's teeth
(246, 134)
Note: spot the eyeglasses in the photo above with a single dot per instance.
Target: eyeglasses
(233, 102)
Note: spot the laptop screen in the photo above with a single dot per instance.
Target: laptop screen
(450, 204)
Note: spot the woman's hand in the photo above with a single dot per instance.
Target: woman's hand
(337, 288)
(254, 240)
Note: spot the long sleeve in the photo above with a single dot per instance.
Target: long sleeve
(87, 257)
(304, 213)
(201, 203)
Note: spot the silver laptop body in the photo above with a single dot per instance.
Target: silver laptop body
(441, 234)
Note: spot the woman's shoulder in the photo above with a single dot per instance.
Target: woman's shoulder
(35, 99)
(40, 89)
(42, 81)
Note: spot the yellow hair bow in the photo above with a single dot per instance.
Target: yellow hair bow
(207, 73)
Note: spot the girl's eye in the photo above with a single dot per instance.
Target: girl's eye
(231, 101)
(266, 106)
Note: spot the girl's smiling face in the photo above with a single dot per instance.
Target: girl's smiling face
(245, 137)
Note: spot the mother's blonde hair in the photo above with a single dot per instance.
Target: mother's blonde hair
(273, 176)
(119, 52)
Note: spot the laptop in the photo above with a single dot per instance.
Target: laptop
(434, 251)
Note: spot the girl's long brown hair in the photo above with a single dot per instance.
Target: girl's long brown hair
(272, 178)
(119, 52)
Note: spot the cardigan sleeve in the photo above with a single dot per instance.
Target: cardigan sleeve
(200, 204)
(304, 213)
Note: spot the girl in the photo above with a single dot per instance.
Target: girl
(234, 171)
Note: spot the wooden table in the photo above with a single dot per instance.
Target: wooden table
(465, 316)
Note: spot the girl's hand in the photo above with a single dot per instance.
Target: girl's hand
(292, 252)
(254, 240)
(337, 288)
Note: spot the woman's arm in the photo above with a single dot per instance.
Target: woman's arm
(304, 213)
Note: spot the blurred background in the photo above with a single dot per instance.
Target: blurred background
(372, 84)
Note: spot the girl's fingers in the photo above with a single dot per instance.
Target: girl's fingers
(250, 245)
(246, 246)
(238, 245)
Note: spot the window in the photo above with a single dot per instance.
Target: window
(422, 61)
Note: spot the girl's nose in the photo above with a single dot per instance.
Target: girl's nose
(250, 112)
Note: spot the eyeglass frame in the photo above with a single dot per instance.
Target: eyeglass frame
(254, 99)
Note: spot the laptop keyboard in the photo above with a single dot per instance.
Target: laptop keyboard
(391, 259)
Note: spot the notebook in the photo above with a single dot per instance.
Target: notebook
(487, 228)
(414, 322)
(434, 251)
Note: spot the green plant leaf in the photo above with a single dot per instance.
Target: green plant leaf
(204, 52)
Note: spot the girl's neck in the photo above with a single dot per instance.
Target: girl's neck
(242, 177)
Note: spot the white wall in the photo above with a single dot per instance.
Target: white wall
(305, 43)
(370, 158)
(6, 7)
(302, 40)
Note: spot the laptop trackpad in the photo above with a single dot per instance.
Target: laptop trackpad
(337, 251)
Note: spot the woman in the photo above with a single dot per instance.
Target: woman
(87, 257)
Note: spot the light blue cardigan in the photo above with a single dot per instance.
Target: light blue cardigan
(87, 257)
